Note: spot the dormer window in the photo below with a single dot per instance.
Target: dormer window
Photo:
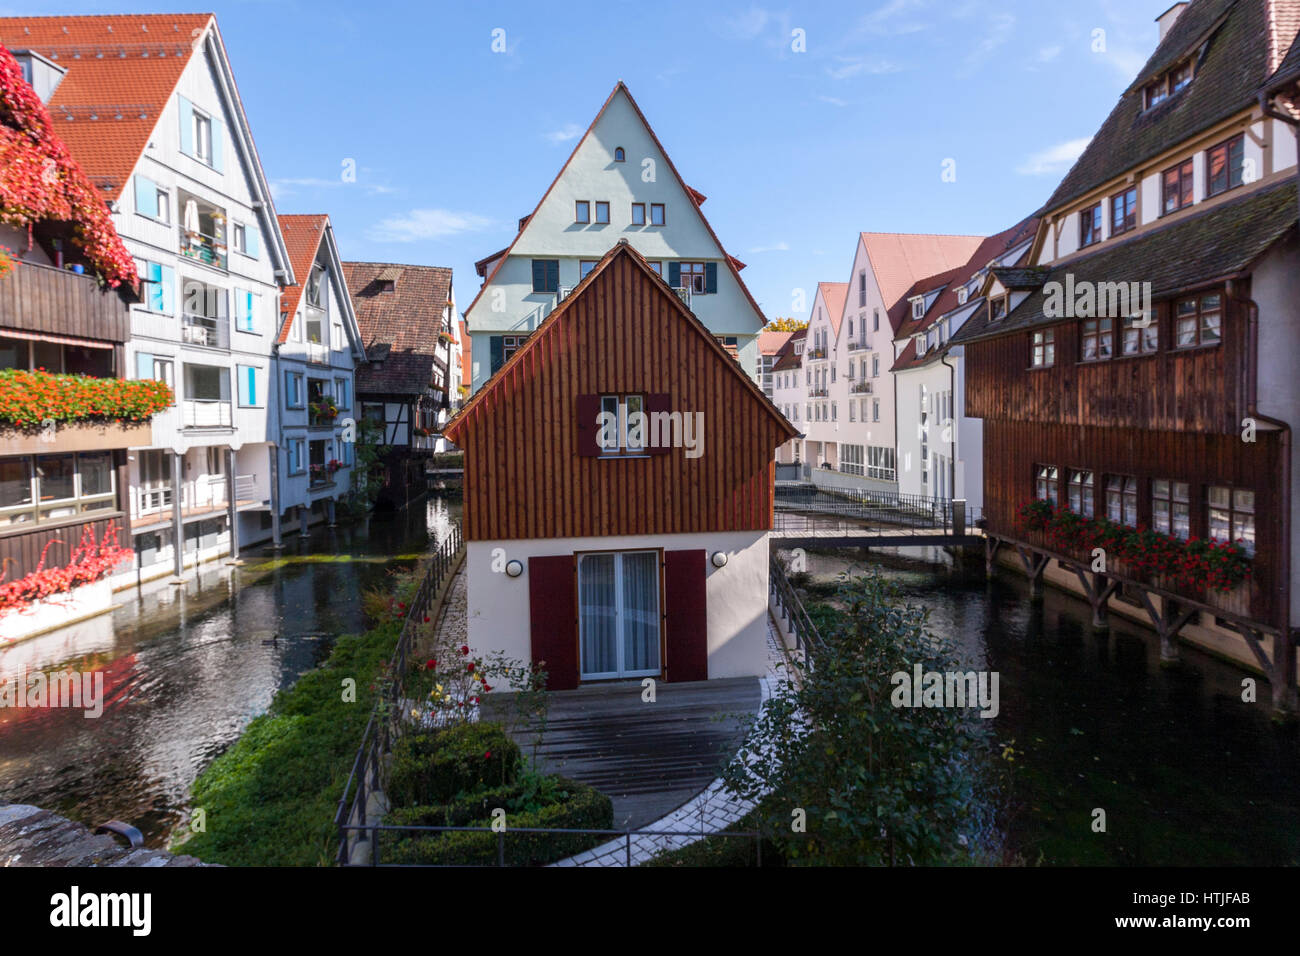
(918, 307)
(1167, 84)
(387, 285)
(619, 155)
(920, 344)
(962, 295)
(997, 307)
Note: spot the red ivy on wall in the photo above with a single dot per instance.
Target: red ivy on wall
(90, 561)
(1192, 563)
(27, 399)
(39, 179)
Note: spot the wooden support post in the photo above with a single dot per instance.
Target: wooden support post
(1167, 625)
(1280, 669)
(991, 546)
(1035, 565)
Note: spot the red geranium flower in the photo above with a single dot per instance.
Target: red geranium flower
(464, 648)
(430, 664)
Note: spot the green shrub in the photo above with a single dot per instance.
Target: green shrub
(433, 768)
(584, 808)
(461, 812)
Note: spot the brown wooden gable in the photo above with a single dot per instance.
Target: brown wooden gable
(621, 331)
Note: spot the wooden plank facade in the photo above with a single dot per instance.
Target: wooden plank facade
(622, 332)
(40, 298)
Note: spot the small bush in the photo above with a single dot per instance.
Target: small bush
(584, 808)
(434, 768)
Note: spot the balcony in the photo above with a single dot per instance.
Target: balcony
(815, 392)
(206, 331)
(205, 413)
(813, 354)
(860, 346)
(318, 353)
(41, 299)
(203, 230)
(203, 496)
(861, 388)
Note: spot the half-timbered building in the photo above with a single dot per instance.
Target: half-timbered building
(618, 491)
(1140, 368)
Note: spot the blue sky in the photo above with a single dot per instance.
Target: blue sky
(797, 150)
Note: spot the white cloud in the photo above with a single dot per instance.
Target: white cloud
(565, 133)
(292, 186)
(1054, 159)
(774, 247)
(1049, 53)
(833, 100)
(894, 18)
(850, 66)
(423, 224)
(999, 31)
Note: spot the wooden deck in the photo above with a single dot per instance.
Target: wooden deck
(648, 758)
(163, 519)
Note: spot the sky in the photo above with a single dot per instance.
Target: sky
(804, 124)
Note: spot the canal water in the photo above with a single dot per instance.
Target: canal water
(1185, 771)
(186, 668)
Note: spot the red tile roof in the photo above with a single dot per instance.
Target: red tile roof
(302, 237)
(407, 321)
(834, 294)
(117, 65)
(787, 358)
(770, 341)
(899, 259)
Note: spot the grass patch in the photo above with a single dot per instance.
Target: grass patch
(270, 799)
(719, 851)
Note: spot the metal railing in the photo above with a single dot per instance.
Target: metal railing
(318, 353)
(205, 413)
(684, 293)
(818, 392)
(861, 388)
(351, 818)
(793, 614)
(811, 354)
(859, 346)
(890, 508)
(209, 331)
(245, 488)
(210, 250)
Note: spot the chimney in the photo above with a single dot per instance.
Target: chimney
(1167, 19)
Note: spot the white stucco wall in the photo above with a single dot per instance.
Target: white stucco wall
(497, 607)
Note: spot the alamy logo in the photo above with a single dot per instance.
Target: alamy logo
(74, 909)
(1089, 300)
(640, 430)
(82, 690)
(947, 689)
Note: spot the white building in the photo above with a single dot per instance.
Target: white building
(789, 393)
(618, 183)
(319, 350)
(150, 110)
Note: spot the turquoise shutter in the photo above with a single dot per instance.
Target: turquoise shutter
(187, 126)
(143, 365)
(675, 274)
(218, 145)
(167, 275)
(710, 277)
(248, 311)
(252, 385)
(146, 196)
(252, 241)
(155, 287)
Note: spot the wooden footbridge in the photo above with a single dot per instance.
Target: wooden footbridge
(811, 516)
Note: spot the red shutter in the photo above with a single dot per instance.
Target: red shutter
(553, 619)
(657, 402)
(686, 640)
(587, 424)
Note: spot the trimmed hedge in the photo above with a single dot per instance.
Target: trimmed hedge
(433, 768)
(586, 808)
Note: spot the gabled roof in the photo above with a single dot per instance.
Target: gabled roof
(302, 236)
(990, 250)
(1217, 244)
(694, 196)
(1288, 71)
(622, 249)
(770, 341)
(788, 358)
(1231, 43)
(834, 294)
(407, 321)
(899, 259)
(129, 66)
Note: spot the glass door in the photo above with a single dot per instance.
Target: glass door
(618, 597)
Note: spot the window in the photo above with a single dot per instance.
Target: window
(1123, 211)
(293, 394)
(296, 454)
(618, 614)
(617, 432)
(152, 200)
(54, 487)
(1171, 508)
(582, 211)
(510, 344)
(1081, 493)
(875, 366)
(1157, 92)
(1043, 348)
(657, 266)
(834, 412)
(239, 236)
(245, 310)
(1224, 165)
(1179, 77)
(657, 217)
(1121, 499)
(619, 155)
(875, 409)
(638, 214)
(853, 408)
(851, 460)
(997, 307)
(1047, 484)
(1090, 225)
(546, 275)
(881, 463)
(247, 378)
(862, 294)
(1198, 321)
(202, 137)
(693, 276)
(875, 319)
(731, 344)
(316, 287)
(158, 287)
(1098, 341)
(1167, 84)
(918, 307)
(1176, 187)
(602, 212)
(1232, 516)
(245, 239)
(584, 267)
(343, 394)
(1138, 340)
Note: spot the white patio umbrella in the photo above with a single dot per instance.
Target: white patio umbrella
(191, 216)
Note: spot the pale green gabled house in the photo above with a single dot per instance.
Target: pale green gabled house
(618, 183)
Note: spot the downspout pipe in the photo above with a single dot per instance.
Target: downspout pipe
(952, 443)
(1282, 700)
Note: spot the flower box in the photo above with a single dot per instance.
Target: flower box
(75, 436)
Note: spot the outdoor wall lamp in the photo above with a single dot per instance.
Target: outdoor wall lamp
(514, 568)
(719, 559)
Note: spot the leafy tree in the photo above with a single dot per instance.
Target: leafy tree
(785, 325)
(876, 784)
